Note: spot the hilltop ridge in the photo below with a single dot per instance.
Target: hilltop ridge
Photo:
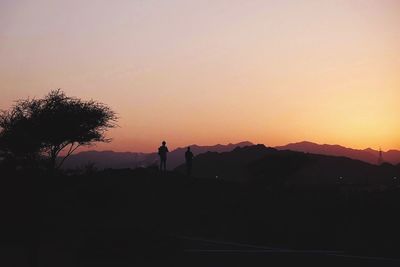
(119, 160)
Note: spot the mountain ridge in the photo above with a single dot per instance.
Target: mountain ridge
(112, 159)
(271, 166)
(368, 155)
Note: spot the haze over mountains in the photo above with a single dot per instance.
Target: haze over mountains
(111, 159)
(368, 155)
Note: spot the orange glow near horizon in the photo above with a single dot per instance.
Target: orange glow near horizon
(199, 72)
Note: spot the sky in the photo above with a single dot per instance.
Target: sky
(214, 71)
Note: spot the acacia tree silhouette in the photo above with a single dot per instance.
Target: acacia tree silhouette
(56, 123)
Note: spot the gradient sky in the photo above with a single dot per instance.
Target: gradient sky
(214, 71)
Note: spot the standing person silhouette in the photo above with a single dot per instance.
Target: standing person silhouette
(189, 159)
(162, 152)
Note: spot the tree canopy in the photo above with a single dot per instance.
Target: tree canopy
(45, 127)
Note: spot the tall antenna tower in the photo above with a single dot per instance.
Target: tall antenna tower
(380, 158)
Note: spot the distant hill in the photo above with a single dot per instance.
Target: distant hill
(368, 155)
(119, 160)
(269, 165)
(177, 156)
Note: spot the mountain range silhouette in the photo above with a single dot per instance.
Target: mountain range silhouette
(270, 166)
(120, 160)
(368, 155)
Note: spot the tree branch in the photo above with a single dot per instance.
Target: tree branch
(61, 148)
(70, 151)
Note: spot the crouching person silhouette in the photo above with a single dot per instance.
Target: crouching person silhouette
(189, 160)
(162, 152)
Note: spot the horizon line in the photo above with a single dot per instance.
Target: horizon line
(236, 143)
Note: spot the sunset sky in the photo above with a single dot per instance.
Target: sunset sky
(214, 71)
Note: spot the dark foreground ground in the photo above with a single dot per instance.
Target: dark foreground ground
(142, 218)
